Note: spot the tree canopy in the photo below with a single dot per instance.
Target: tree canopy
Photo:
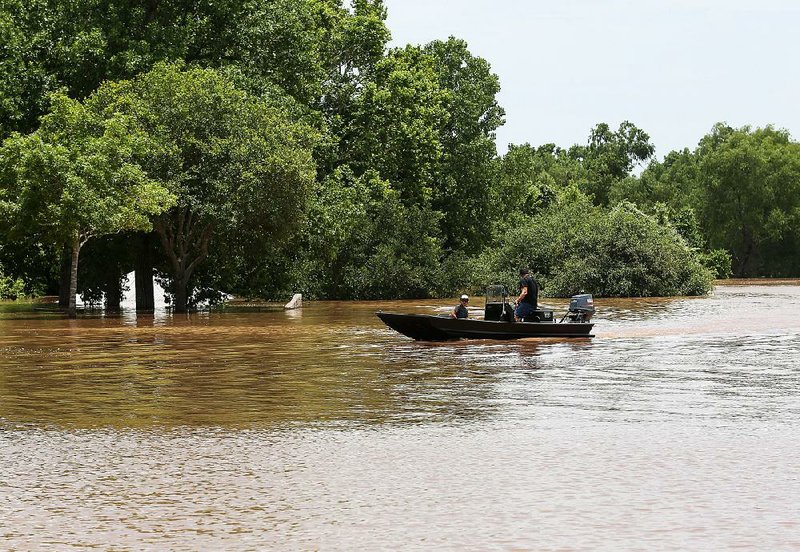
(261, 147)
(240, 167)
(78, 177)
(574, 246)
(743, 186)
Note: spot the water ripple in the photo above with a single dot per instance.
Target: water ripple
(675, 428)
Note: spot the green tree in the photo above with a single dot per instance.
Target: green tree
(395, 128)
(675, 182)
(240, 167)
(750, 181)
(610, 156)
(363, 242)
(26, 257)
(465, 185)
(78, 177)
(306, 47)
(742, 184)
(10, 287)
(352, 42)
(530, 178)
(685, 221)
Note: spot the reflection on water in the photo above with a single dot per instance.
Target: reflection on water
(322, 428)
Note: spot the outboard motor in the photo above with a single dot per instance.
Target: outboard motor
(581, 308)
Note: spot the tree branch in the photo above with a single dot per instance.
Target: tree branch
(205, 237)
(164, 232)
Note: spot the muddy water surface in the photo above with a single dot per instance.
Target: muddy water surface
(676, 427)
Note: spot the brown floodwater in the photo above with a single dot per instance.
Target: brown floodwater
(677, 427)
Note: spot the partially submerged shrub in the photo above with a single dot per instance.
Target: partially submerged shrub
(574, 246)
(10, 287)
(364, 242)
(718, 261)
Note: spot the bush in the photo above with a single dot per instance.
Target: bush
(574, 246)
(10, 287)
(364, 242)
(718, 261)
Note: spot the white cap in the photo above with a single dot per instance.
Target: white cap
(465, 296)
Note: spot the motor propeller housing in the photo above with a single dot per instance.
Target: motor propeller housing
(581, 307)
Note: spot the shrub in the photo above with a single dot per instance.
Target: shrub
(718, 261)
(10, 287)
(364, 242)
(574, 246)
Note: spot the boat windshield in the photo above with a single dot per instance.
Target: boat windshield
(495, 294)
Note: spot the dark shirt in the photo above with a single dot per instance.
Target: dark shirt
(461, 311)
(532, 298)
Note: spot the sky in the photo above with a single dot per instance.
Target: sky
(673, 68)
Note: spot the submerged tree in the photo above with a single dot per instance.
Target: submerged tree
(240, 166)
(750, 185)
(576, 246)
(364, 242)
(743, 186)
(78, 177)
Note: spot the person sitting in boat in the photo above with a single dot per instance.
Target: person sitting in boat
(528, 301)
(460, 310)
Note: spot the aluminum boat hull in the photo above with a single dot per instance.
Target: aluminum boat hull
(426, 327)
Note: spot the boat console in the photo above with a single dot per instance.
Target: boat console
(497, 307)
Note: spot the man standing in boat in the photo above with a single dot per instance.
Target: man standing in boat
(460, 310)
(528, 301)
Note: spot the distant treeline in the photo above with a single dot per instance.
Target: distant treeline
(274, 146)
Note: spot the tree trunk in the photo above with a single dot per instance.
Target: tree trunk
(63, 279)
(73, 276)
(113, 293)
(180, 296)
(744, 260)
(145, 296)
(185, 240)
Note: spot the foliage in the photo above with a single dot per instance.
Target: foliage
(395, 125)
(530, 178)
(718, 261)
(575, 246)
(751, 193)
(684, 220)
(78, 174)
(363, 242)
(10, 287)
(239, 166)
(610, 156)
(28, 259)
(744, 186)
(352, 43)
(78, 177)
(294, 152)
(305, 47)
(673, 182)
(465, 189)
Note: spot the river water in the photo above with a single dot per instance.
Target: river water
(676, 427)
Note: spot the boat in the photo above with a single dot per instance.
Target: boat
(498, 321)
